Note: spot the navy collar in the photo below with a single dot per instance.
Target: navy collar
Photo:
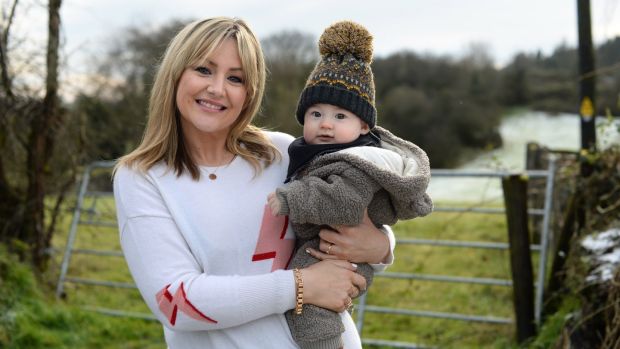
(301, 153)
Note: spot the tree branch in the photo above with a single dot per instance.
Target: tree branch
(55, 212)
(6, 80)
(4, 48)
(51, 113)
(5, 35)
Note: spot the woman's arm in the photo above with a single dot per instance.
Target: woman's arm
(363, 243)
(168, 276)
(176, 288)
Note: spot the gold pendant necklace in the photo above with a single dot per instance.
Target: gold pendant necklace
(212, 176)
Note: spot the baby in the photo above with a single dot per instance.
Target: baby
(343, 165)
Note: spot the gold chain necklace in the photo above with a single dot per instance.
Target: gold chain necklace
(212, 176)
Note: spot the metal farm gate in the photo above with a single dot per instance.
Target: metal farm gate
(88, 214)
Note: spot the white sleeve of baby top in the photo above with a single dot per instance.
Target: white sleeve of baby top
(171, 279)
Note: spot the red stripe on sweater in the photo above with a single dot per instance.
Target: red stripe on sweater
(170, 305)
(263, 256)
(272, 242)
(284, 227)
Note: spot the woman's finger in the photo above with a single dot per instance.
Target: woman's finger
(354, 292)
(358, 281)
(320, 255)
(330, 236)
(344, 264)
(341, 243)
(326, 247)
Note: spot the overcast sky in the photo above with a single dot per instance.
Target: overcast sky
(432, 26)
(437, 26)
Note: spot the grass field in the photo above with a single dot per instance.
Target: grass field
(433, 296)
(445, 297)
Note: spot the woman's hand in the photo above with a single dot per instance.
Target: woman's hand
(362, 243)
(331, 284)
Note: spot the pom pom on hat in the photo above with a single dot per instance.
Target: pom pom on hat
(346, 37)
(343, 77)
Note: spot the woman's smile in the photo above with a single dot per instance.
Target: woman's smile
(210, 105)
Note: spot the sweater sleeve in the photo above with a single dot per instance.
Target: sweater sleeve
(171, 280)
(338, 199)
(389, 260)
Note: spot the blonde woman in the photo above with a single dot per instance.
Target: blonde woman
(205, 251)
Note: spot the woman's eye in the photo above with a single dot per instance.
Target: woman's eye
(235, 79)
(341, 116)
(203, 70)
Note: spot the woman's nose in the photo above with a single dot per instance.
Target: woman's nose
(215, 86)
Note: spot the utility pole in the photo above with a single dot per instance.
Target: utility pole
(575, 211)
(587, 111)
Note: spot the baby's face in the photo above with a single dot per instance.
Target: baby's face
(329, 124)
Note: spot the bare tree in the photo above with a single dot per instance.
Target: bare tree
(23, 211)
(10, 198)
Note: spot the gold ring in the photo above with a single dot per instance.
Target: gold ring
(329, 248)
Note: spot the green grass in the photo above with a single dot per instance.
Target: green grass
(31, 318)
(554, 324)
(433, 296)
(60, 319)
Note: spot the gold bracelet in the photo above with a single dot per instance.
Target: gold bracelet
(299, 283)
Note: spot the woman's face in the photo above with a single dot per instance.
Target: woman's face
(211, 96)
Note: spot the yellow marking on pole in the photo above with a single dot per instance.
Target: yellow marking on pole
(587, 109)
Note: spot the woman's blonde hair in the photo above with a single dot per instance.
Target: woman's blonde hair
(163, 136)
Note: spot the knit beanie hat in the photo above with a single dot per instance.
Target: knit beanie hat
(343, 76)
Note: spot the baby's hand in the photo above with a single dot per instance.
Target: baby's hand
(274, 203)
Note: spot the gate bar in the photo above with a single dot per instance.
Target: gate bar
(393, 344)
(434, 314)
(542, 263)
(457, 243)
(101, 283)
(73, 231)
(486, 174)
(455, 279)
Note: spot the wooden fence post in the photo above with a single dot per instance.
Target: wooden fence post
(515, 201)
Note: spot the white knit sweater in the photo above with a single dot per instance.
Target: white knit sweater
(208, 256)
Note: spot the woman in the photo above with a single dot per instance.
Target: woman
(203, 248)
